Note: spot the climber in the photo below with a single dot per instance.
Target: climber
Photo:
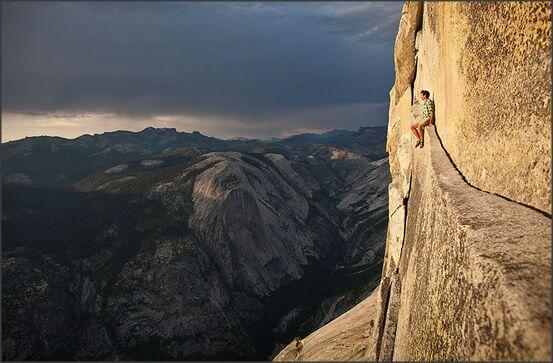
(426, 119)
(299, 346)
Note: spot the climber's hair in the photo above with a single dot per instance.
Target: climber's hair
(426, 93)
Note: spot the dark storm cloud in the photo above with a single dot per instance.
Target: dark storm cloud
(371, 22)
(262, 63)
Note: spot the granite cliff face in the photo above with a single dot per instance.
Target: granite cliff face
(467, 272)
(191, 253)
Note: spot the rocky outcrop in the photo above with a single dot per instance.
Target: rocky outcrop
(468, 254)
(252, 219)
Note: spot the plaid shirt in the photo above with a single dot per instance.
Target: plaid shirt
(427, 108)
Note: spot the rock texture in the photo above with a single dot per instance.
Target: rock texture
(468, 256)
(257, 221)
(473, 268)
(487, 66)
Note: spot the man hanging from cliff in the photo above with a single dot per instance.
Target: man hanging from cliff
(427, 117)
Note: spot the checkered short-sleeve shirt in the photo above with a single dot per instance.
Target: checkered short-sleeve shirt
(427, 108)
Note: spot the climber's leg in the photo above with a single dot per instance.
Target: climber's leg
(414, 129)
(420, 128)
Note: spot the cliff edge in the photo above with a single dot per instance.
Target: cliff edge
(467, 273)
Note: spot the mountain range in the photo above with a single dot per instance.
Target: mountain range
(166, 245)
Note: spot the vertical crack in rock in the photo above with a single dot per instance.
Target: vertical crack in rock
(387, 341)
(373, 352)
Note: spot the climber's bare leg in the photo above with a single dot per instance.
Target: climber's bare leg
(420, 128)
(414, 129)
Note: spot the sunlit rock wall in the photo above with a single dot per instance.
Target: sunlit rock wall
(474, 271)
(472, 268)
(488, 68)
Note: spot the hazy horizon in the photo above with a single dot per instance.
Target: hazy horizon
(254, 70)
(311, 131)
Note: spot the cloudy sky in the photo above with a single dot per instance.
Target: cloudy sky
(225, 69)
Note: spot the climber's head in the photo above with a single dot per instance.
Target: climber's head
(424, 94)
